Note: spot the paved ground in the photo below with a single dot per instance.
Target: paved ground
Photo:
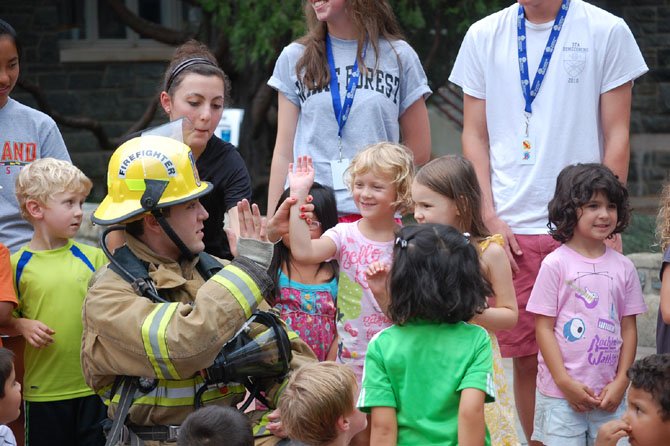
(507, 363)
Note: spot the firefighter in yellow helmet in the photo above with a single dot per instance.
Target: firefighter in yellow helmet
(160, 313)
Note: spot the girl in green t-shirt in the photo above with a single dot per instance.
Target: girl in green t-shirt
(427, 377)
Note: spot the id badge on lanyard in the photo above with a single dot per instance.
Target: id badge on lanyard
(527, 149)
(341, 110)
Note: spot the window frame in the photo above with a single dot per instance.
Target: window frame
(130, 49)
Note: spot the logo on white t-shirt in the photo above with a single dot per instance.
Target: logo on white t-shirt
(574, 61)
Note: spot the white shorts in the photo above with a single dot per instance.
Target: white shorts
(557, 424)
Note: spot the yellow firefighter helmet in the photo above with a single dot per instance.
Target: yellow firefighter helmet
(148, 173)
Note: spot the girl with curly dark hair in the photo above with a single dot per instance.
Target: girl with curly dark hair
(585, 300)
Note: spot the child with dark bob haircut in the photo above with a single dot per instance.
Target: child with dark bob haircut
(432, 361)
(436, 277)
(575, 186)
(647, 420)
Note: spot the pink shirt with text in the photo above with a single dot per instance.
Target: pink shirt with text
(359, 316)
(588, 297)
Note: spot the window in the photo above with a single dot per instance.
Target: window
(93, 32)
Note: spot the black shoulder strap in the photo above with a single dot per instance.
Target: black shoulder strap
(136, 271)
(207, 265)
(132, 269)
(130, 262)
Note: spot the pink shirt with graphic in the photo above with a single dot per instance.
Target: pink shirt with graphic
(588, 298)
(359, 317)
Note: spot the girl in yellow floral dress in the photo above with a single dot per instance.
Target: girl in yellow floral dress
(446, 191)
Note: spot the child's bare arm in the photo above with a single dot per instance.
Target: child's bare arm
(384, 426)
(35, 332)
(497, 269)
(303, 248)
(613, 392)
(6, 309)
(332, 351)
(580, 396)
(471, 424)
(610, 433)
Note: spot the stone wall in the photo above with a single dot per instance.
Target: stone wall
(648, 266)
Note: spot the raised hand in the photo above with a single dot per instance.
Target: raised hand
(301, 177)
(253, 241)
(252, 225)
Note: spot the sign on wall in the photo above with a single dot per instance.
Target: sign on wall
(229, 125)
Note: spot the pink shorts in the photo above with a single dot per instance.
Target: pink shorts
(520, 341)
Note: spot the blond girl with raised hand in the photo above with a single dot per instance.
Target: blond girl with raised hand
(380, 178)
(446, 191)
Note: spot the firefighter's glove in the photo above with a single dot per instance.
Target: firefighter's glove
(256, 250)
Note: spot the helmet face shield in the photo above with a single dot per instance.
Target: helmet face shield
(180, 130)
(167, 164)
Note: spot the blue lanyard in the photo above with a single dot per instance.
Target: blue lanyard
(530, 93)
(342, 110)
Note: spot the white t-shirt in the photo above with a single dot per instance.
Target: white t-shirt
(394, 82)
(595, 53)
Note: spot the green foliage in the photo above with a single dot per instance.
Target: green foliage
(257, 30)
(639, 236)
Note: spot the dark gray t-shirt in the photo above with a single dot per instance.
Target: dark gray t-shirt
(392, 84)
(26, 134)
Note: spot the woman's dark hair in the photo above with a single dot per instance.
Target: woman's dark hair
(325, 210)
(436, 276)
(652, 375)
(7, 30)
(6, 366)
(575, 186)
(193, 57)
